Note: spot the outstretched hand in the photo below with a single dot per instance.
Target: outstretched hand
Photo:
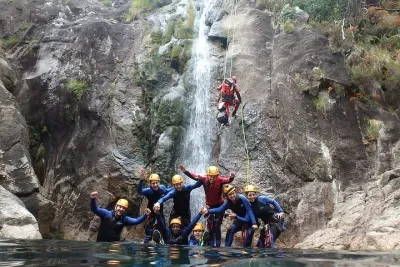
(94, 194)
(280, 215)
(255, 226)
(232, 175)
(142, 174)
(204, 211)
(147, 211)
(156, 206)
(181, 167)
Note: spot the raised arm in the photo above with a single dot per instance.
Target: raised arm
(168, 196)
(190, 187)
(133, 221)
(227, 180)
(266, 200)
(220, 209)
(98, 211)
(161, 226)
(188, 229)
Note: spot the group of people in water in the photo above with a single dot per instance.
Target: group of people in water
(249, 212)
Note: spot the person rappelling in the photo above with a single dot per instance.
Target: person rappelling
(228, 89)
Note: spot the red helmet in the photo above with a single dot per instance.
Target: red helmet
(234, 79)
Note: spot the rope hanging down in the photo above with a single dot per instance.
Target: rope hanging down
(248, 174)
(233, 11)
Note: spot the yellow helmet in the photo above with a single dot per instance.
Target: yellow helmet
(123, 203)
(250, 188)
(176, 179)
(175, 220)
(198, 227)
(228, 188)
(212, 170)
(154, 177)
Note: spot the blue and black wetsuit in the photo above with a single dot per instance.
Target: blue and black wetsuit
(265, 208)
(244, 216)
(182, 237)
(181, 206)
(111, 227)
(152, 197)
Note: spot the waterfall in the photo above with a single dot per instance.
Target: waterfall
(197, 140)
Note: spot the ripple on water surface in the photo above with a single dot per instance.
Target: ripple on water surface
(75, 253)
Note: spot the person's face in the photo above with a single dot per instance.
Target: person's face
(232, 196)
(175, 228)
(178, 186)
(119, 210)
(251, 196)
(212, 178)
(155, 185)
(197, 234)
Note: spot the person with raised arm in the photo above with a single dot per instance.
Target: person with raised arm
(181, 195)
(153, 194)
(113, 221)
(242, 215)
(176, 234)
(269, 212)
(212, 183)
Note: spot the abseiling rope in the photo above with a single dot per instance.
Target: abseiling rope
(248, 173)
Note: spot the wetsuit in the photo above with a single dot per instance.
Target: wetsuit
(182, 237)
(181, 206)
(202, 242)
(214, 199)
(244, 216)
(152, 197)
(111, 227)
(263, 210)
(228, 97)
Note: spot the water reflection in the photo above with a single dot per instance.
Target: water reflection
(74, 253)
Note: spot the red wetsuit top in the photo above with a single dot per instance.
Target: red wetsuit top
(213, 191)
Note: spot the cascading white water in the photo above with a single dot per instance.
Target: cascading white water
(197, 141)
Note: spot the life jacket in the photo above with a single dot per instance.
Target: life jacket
(262, 211)
(227, 90)
(110, 229)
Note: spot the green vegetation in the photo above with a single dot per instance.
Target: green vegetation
(106, 2)
(372, 130)
(288, 27)
(157, 37)
(9, 42)
(142, 6)
(321, 103)
(322, 10)
(24, 26)
(76, 87)
(175, 52)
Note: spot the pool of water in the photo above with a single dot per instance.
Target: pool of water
(75, 253)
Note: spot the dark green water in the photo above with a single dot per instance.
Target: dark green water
(74, 253)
